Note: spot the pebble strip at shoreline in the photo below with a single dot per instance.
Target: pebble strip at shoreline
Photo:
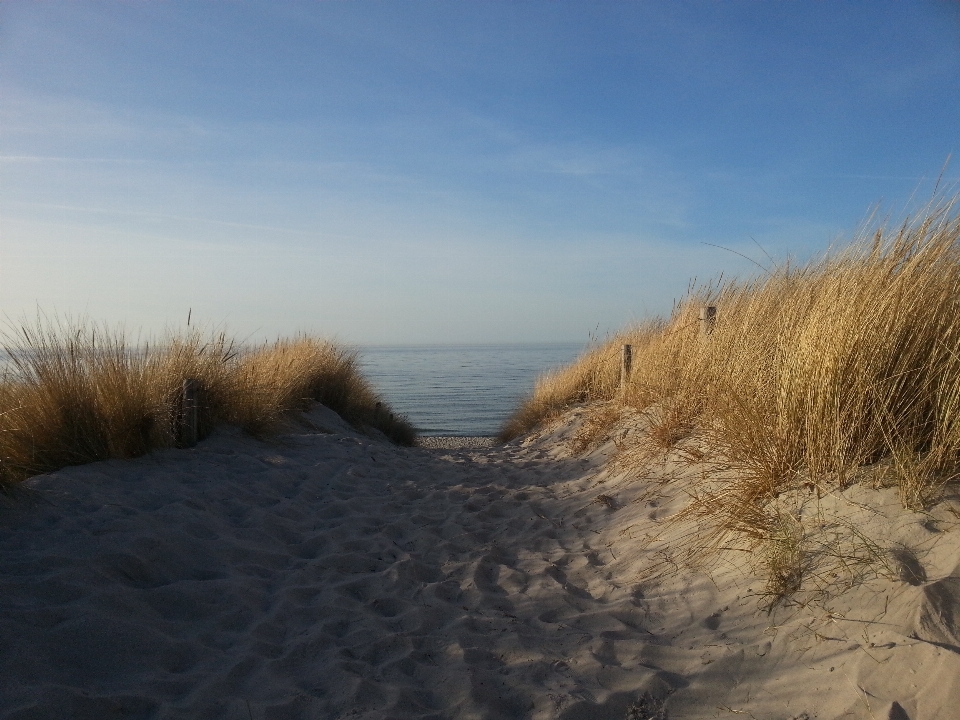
(452, 442)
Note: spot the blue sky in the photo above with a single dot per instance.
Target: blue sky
(404, 172)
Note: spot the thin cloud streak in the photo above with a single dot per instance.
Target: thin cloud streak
(63, 159)
(166, 216)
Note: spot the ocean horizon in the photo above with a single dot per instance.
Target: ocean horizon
(460, 389)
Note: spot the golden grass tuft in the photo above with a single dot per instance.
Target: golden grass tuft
(595, 427)
(74, 393)
(594, 376)
(810, 373)
(672, 422)
(785, 558)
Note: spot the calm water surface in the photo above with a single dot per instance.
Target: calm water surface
(459, 389)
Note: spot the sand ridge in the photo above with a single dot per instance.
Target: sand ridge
(331, 575)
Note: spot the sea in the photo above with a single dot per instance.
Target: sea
(460, 389)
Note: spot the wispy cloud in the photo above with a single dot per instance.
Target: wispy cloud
(122, 213)
(65, 159)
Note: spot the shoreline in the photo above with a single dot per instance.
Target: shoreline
(453, 442)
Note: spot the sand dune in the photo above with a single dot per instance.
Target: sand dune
(332, 575)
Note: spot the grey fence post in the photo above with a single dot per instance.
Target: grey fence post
(708, 318)
(190, 413)
(626, 365)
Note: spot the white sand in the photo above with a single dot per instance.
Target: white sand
(331, 575)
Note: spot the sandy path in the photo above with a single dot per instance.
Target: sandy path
(327, 576)
(330, 575)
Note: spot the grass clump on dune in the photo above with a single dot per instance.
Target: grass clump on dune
(594, 376)
(809, 374)
(73, 394)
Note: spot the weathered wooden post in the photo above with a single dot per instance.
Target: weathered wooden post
(626, 364)
(190, 413)
(708, 318)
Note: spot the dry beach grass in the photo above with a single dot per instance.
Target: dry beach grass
(77, 393)
(811, 376)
